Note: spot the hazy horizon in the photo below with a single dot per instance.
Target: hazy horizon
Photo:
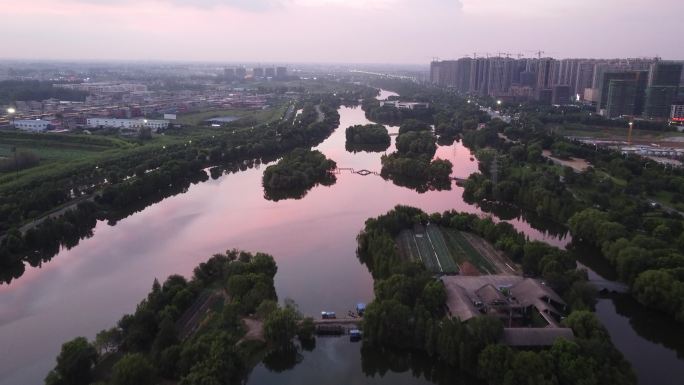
(401, 32)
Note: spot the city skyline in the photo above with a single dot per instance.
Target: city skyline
(335, 31)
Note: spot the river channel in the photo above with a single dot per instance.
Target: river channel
(89, 287)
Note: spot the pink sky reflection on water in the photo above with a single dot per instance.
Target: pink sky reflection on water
(88, 288)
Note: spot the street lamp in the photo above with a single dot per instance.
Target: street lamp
(10, 112)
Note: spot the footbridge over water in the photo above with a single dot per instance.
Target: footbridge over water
(364, 172)
(337, 326)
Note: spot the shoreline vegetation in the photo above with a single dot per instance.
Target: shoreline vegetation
(114, 190)
(211, 329)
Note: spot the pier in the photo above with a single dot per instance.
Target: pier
(337, 326)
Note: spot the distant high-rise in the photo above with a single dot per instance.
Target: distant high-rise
(585, 75)
(229, 73)
(604, 84)
(663, 87)
(560, 94)
(258, 72)
(504, 77)
(240, 73)
(528, 79)
(270, 72)
(462, 78)
(452, 73)
(621, 97)
(545, 73)
(479, 76)
(281, 72)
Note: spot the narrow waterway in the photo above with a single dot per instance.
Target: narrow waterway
(89, 287)
(652, 342)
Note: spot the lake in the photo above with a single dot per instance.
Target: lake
(89, 287)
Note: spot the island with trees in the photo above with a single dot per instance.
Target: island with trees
(408, 312)
(412, 164)
(368, 137)
(211, 329)
(296, 173)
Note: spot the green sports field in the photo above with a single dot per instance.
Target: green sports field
(463, 251)
(428, 246)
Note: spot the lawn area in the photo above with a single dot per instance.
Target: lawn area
(446, 260)
(416, 247)
(408, 247)
(428, 246)
(613, 133)
(463, 251)
(58, 146)
(257, 116)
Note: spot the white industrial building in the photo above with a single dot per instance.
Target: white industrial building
(404, 105)
(128, 124)
(36, 125)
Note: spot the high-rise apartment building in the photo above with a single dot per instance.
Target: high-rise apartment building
(521, 79)
(258, 72)
(663, 87)
(621, 96)
(240, 73)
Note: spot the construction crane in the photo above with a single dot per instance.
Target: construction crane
(539, 53)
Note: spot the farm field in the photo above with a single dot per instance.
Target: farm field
(463, 251)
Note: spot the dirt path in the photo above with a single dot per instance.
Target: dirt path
(321, 115)
(255, 330)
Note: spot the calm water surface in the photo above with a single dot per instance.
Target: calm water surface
(88, 288)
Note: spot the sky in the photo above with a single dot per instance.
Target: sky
(338, 31)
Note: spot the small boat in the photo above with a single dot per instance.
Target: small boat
(355, 335)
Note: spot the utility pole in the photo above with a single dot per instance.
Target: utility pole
(16, 163)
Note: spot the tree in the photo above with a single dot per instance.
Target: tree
(585, 325)
(107, 340)
(659, 289)
(74, 363)
(280, 326)
(585, 225)
(529, 368)
(132, 369)
(493, 363)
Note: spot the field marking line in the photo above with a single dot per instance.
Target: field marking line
(433, 250)
(417, 248)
